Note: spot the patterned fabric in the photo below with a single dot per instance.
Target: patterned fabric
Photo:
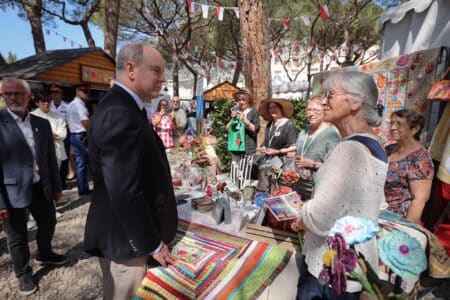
(415, 166)
(164, 130)
(214, 265)
(241, 169)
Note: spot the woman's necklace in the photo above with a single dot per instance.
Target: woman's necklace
(312, 136)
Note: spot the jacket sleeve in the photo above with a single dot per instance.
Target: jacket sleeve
(51, 160)
(2, 190)
(118, 136)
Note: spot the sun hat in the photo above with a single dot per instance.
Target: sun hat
(242, 91)
(287, 108)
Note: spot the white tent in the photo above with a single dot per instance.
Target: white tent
(415, 25)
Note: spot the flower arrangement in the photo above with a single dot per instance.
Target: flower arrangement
(398, 251)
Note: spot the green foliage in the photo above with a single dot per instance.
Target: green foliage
(299, 117)
(220, 116)
(11, 58)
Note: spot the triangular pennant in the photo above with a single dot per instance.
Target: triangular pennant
(205, 11)
(64, 39)
(190, 6)
(236, 11)
(295, 47)
(306, 20)
(275, 53)
(219, 11)
(323, 10)
(286, 23)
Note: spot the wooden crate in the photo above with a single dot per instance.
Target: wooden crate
(277, 237)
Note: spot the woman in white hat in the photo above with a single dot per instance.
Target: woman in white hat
(241, 163)
(281, 135)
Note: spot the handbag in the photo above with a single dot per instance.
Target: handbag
(440, 90)
(236, 136)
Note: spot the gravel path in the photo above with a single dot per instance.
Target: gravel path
(80, 278)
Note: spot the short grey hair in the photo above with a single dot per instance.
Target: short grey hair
(132, 52)
(360, 87)
(24, 83)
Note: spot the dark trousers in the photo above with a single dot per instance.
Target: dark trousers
(43, 212)
(64, 169)
(81, 160)
(309, 288)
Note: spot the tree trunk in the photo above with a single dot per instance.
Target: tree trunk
(88, 35)
(34, 14)
(175, 78)
(255, 45)
(112, 12)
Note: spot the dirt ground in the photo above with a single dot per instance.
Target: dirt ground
(81, 277)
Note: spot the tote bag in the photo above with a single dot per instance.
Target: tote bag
(236, 136)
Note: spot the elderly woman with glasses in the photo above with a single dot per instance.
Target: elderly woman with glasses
(245, 111)
(314, 144)
(349, 183)
(408, 182)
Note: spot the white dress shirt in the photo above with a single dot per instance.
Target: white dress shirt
(27, 131)
(61, 110)
(59, 129)
(76, 113)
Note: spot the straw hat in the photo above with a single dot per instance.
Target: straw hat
(242, 91)
(287, 108)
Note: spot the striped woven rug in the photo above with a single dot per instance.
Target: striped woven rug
(214, 265)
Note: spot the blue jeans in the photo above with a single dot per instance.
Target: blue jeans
(81, 161)
(309, 288)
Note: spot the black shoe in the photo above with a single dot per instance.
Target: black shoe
(88, 192)
(52, 259)
(26, 285)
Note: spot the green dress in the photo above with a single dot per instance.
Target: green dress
(317, 148)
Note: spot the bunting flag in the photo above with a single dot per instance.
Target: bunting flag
(205, 11)
(64, 39)
(236, 11)
(275, 53)
(306, 20)
(47, 31)
(286, 23)
(323, 10)
(190, 6)
(295, 47)
(219, 11)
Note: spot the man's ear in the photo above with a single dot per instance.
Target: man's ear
(131, 70)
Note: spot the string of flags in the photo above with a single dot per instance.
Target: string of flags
(65, 39)
(205, 9)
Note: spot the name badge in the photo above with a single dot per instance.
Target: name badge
(277, 133)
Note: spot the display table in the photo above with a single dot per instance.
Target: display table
(221, 263)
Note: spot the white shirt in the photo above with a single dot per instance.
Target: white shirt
(61, 110)
(27, 131)
(59, 128)
(76, 113)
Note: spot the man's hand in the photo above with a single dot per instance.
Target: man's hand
(4, 215)
(57, 196)
(164, 257)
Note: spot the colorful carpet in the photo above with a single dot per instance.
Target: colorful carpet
(214, 265)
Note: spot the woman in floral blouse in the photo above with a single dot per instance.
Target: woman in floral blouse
(408, 182)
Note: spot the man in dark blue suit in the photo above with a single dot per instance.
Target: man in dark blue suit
(133, 214)
(29, 181)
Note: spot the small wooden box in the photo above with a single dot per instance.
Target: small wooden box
(277, 237)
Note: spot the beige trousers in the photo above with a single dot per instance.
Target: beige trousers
(121, 278)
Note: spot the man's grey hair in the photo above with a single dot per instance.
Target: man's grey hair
(23, 82)
(130, 53)
(360, 87)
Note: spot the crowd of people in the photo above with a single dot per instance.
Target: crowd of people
(133, 217)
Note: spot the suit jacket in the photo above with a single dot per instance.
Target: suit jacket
(133, 206)
(16, 161)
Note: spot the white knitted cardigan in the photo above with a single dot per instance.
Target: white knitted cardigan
(350, 182)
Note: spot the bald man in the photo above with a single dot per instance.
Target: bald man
(133, 215)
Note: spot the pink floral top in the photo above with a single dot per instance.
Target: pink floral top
(415, 166)
(164, 130)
